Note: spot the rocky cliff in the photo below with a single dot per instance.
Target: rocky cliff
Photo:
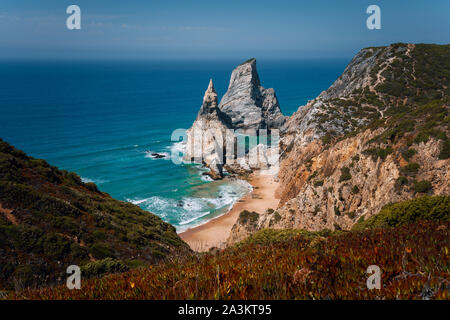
(245, 108)
(378, 135)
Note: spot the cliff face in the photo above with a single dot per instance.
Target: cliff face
(50, 219)
(379, 134)
(245, 108)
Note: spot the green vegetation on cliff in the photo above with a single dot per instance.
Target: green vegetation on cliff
(436, 208)
(50, 219)
(411, 257)
(407, 95)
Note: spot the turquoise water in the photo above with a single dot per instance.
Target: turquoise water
(101, 120)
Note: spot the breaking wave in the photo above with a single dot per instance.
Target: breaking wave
(189, 211)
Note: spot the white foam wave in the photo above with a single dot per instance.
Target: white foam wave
(178, 147)
(194, 218)
(137, 202)
(177, 152)
(96, 181)
(188, 211)
(206, 178)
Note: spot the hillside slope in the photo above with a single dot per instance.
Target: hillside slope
(50, 219)
(412, 253)
(379, 134)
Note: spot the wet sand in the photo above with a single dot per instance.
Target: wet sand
(215, 233)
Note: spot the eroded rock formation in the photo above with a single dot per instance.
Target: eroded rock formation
(247, 103)
(208, 137)
(244, 109)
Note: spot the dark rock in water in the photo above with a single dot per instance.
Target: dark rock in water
(213, 175)
(158, 155)
(179, 203)
(236, 170)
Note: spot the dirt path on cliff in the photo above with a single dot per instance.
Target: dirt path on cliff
(8, 214)
(215, 232)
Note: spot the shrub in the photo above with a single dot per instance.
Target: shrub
(318, 183)
(445, 152)
(326, 139)
(270, 211)
(345, 174)
(54, 246)
(383, 153)
(407, 154)
(277, 216)
(101, 251)
(133, 264)
(105, 266)
(351, 214)
(376, 153)
(401, 181)
(247, 216)
(372, 152)
(410, 168)
(24, 276)
(313, 175)
(422, 136)
(336, 211)
(355, 189)
(423, 208)
(422, 186)
(272, 236)
(91, 186)
(99, 235)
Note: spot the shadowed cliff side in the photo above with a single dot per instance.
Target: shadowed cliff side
(50, 219)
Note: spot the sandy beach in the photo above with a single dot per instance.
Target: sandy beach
(215, 233)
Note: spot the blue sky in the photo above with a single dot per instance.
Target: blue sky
(213, 29)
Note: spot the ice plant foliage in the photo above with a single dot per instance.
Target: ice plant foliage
(413, 258)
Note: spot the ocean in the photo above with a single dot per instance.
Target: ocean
(103, 120)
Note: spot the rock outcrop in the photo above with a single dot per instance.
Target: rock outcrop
(208, 137)
(245, 108)
(378, 135)
(210, 110)
(247, 103)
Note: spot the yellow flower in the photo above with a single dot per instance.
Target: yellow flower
(408, 250)
(132, 285)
